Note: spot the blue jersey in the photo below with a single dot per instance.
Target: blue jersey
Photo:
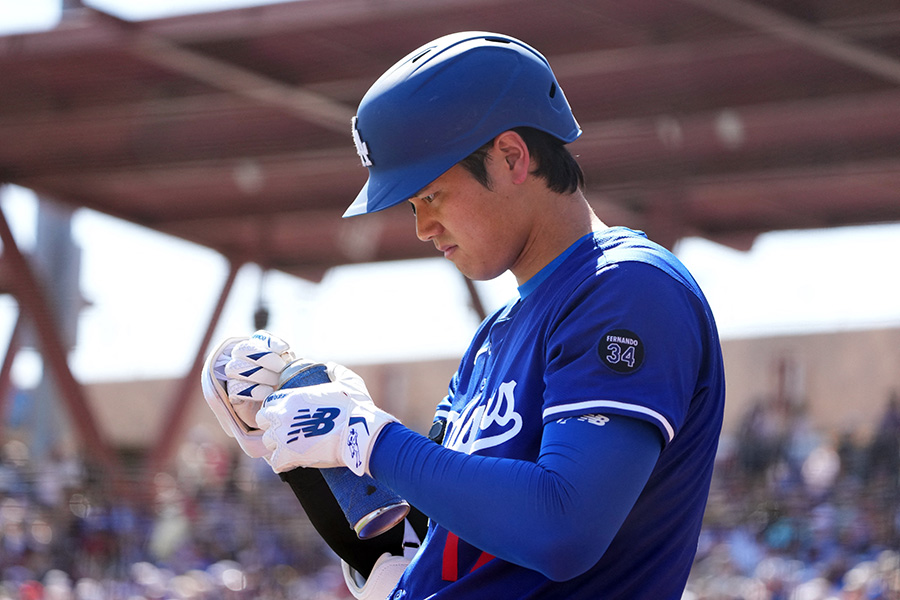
(614, 326)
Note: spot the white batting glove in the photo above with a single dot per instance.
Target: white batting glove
(382, 580)
(252, 372)
(236, 414)
(327, 425)
(213, 383)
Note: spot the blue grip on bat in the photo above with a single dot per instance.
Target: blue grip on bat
(370, 508)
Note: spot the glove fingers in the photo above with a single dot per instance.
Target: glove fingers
(265, 350)
(345, 377)
(243, 370)
(265, 359)
(240, 392)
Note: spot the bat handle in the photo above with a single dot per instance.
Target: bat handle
(370, 508)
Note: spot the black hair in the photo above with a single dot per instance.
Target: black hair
(555, 164)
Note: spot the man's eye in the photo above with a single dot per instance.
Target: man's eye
(427, 199)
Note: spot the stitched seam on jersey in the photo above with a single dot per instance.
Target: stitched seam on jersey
(590, 404)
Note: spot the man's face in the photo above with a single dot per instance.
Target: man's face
(476, 228)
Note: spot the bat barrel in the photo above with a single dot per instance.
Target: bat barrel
(370, 508)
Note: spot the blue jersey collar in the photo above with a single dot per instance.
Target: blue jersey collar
(539, 277)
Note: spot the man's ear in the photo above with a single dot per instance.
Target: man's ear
(512, 150)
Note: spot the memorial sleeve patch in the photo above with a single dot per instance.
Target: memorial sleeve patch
(621, 350)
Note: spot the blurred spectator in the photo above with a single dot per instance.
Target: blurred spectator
(792, 516)
(884, 452)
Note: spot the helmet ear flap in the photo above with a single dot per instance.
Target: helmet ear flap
(445, 100)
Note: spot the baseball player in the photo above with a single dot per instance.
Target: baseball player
(572, 455)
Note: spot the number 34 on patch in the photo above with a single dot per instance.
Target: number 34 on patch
(621, 350)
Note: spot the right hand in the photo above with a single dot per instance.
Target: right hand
(252, 372)
(333, 424)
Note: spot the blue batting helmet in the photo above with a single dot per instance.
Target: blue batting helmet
(445, 100)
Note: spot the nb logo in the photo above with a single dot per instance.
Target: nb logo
(361, 148)
(312, 425)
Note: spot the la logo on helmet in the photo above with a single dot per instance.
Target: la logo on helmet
(361, 148)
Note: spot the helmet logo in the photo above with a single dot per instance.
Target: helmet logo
(361, 148)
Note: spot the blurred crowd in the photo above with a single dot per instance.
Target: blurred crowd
(794, 514)
(797, 514)
(221, 526)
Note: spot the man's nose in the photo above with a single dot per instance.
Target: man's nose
(426, 225)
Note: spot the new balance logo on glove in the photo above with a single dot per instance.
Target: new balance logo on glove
(311, 425)
(322, 425)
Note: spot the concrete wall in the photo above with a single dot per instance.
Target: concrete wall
(844, 378)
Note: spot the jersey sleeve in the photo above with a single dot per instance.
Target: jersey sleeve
(556, 515)
(628, 341)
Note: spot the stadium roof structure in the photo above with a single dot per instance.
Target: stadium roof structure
(714, 118)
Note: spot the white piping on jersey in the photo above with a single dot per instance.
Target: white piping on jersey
(601, 404)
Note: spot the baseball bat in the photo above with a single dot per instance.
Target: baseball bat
(370, 508)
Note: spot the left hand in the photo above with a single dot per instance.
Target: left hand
(214, 383)
(252, 371)
(327, 425)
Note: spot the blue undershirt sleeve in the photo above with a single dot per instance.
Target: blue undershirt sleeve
(556, 515)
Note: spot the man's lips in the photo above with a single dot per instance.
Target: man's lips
(447, 249)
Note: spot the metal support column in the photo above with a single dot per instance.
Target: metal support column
(12, 350)
(33, 303)
(165, 445)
